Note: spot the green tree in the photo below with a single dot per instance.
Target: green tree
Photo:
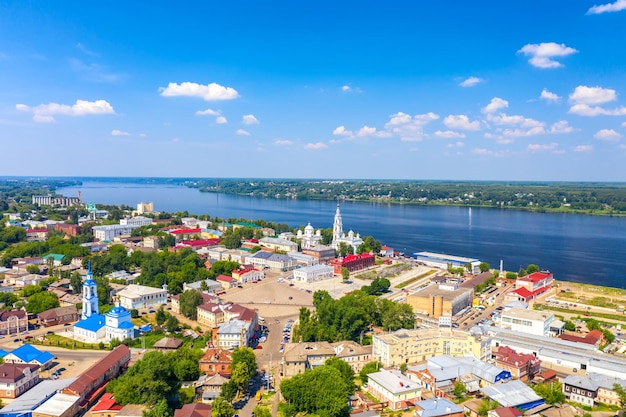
(32, 269)
(345, 249)
(510, 275)
(486, 405)
(319, 391)
(222, 408)
(229, 391)
(460, 390)
(532, 268)
(260, 411)
(484, 267)
(403, 367)
(76, 282)
(29, 290)
(522, 272)
(345, 273)
(189, 301)
(231, 241)
(570, 326)
(347, 374)
(551, 392)
(41, 301)
(160, 409)
(370, 368)
(247, 356)
(160, 316)
(172, 324)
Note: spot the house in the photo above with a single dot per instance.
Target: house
(386, 251)
(216, 361)
(168, 343)
(209, 387)
(55, 258)
(547, 375)
(322, 253)
(111, 231)
(530, 286)
(592, 388)
(28, 354)
(437, 407)
(394, 389)
(353, 262)
(234, 333)
(246, 276)
(522, 366)
(273, 261)
(194, 410)
(68, 229)
(106, 406)
(213, 314)
(186, 234)
(226, 282)
(313, 273)
(527, 321)
(357, 356)
(36, 235)
(504, 412)
(298, 357)
(206, 298)
(513, 394)
(594, 337)
(59, 315)
(139, 296)
(16, 379)
(33, 398)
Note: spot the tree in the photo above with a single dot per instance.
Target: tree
(76, 283)
(247, 356)
(229, 391)
(522, 272)
(41, 301)
(484, 267)
(510, 275)
(551, 392)
(486, 405)
(222, 408)
(319, 391)
(172, 324)
(344, 369)
(370, 368)
(160, 409)
(570, 326)
(189, 300)
(345, 249)
(160, 316)
(32, 269)
(403, 367)
(260, 411)
(532, 268)
(231, 241)
(345, 273)
(459, 390)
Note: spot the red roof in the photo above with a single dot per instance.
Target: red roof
(385, 248)
(107, 402)
(591, 338)
(224, 278)
(537, 276)
(511, 357)
(200, 242)
(185, 231)
(37, 231)
(351, 258)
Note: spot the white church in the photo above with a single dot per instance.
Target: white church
(339, 236)
(95, 327)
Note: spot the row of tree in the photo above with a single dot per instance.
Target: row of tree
(350, 317)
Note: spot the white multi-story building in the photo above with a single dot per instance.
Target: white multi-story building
(313, 273)
(145, 207)
(234, 333)
(140, 296)
(527, 321)
(136, 221)
(276, 243)
(111, 231)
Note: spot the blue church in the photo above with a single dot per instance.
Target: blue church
(95, 327)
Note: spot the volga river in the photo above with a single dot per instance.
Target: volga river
(574, 247)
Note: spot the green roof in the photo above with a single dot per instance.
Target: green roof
(244, 224)
(55, 256)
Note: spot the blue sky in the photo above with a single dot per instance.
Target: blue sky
(520, 90)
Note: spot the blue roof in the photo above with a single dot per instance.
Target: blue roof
(125, 325)
(92, 324)
(28, 353)
(117, 311)
(3, 353)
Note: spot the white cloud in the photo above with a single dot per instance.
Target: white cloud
(592, 95)
(281, 142)
(503, 119)
(591, 111)
(455, 145)
(220, 120)
(341, 131)
(471, 81)
(542, 54)
(209, 92)
(537, 147)
(460, 121)
(409, 129)
(44, 113)
(117, 132)
(583, 148)
(482, 151)
(549, 96)
(608, 8)
(346, 88)
(241, 132)
(208, 112)
(562, 126)
(449, 134)
(624, 124)
(494, 105)
(315, 146)
(366, 131)
(249, 119)
(608, 135)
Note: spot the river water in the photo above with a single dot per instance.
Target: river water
(578, 248)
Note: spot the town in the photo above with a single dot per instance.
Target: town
(126, 311)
